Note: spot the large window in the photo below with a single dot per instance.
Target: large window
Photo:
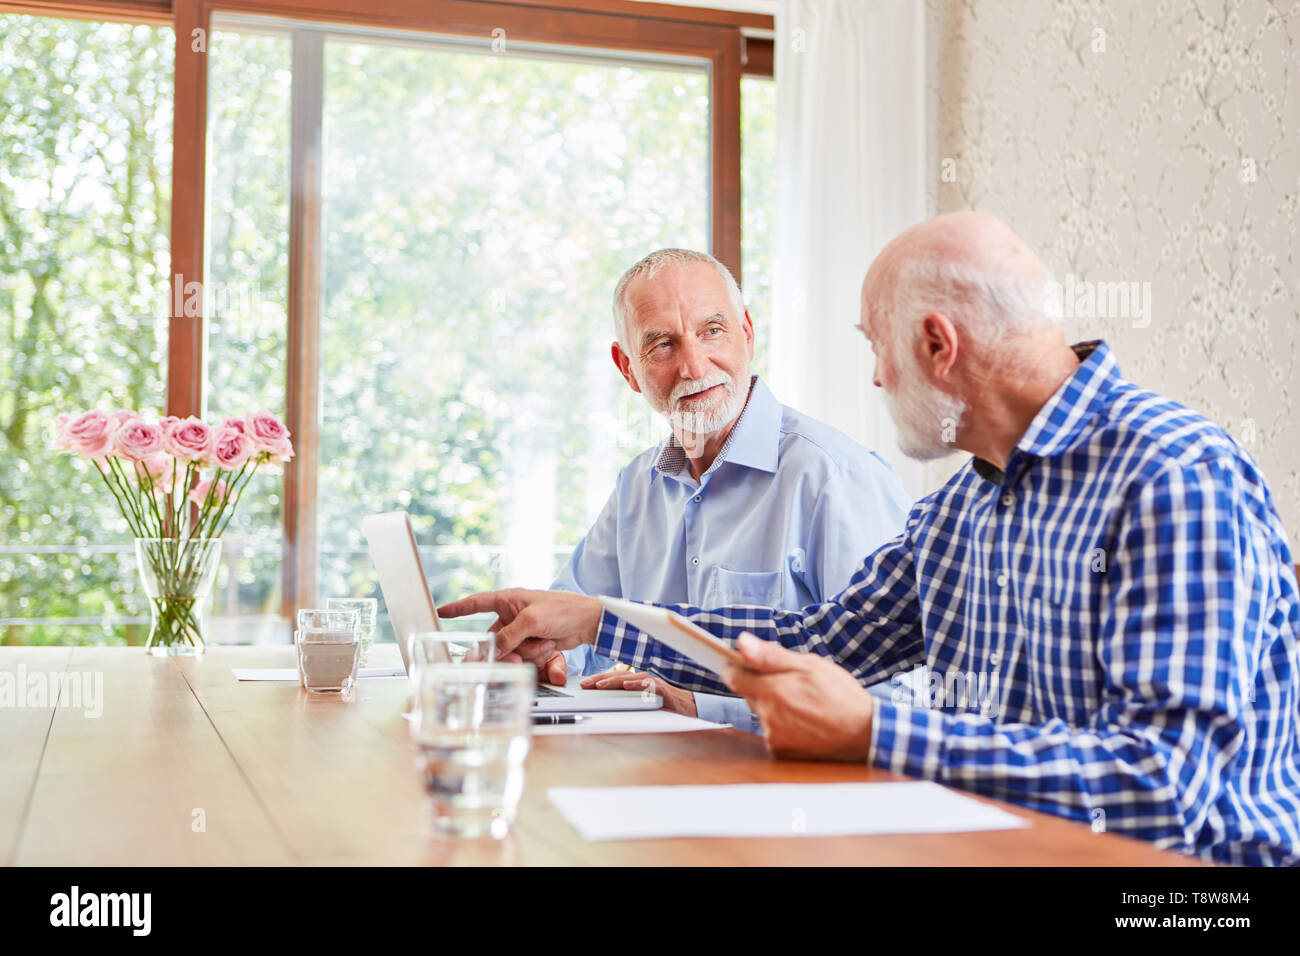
(85, 184)
(408, 242)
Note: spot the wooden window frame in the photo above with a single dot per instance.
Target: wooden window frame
(723, 38)
(155, 12)
(757, 56)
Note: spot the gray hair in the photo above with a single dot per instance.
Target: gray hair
(990, 304)
(651, 265)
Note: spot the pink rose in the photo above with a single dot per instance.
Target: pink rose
(167, 422)
(156, 468)
(230, 446)
(135, 439)
(199, 494)
(189, 440)
(121, 417)
(239, 423)
(90, 435)
(270, 435)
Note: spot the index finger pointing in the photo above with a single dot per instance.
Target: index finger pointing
(474, 604)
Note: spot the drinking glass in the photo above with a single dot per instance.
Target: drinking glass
(472, 728)
(449, 647)
(454, 647)
(329, 649)
(368, 609)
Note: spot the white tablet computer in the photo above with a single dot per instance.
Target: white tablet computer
(678, 633)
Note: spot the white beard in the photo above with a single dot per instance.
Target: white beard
(691, 423)
(927, 419)
(706, 421)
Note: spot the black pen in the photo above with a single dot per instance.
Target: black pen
(549, 719)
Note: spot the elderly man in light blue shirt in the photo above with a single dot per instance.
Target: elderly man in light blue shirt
(747, 502)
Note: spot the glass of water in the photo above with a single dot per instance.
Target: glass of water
(454, 647)
(368, 610)
(472, 726)
(329, 648)
(449, 647)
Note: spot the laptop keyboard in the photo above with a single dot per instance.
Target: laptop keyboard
(544, 691)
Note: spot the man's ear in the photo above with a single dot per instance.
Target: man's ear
(748, 326)
(623, 362)
(939, 344)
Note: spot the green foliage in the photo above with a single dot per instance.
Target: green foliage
(85, 129)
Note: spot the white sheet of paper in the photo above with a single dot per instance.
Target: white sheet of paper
(291, 673)
(629, 722)
(774, 810)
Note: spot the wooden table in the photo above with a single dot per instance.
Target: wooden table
(277, 777)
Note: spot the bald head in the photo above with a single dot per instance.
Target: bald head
(964, 322)
(974, 239)
(968, 266)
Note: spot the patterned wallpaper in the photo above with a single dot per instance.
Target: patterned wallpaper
(1150, 152)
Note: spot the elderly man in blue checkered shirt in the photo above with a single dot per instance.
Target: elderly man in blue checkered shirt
(1103, 594)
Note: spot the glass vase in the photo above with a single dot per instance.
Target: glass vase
(178, 575)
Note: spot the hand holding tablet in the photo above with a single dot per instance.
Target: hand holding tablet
(678, 633)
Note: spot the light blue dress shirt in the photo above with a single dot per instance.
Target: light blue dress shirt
(783, 517)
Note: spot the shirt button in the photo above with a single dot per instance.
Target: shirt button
(1002, 580)
(697, 497)
(1008, 499)
(995, 658)
(695, 561)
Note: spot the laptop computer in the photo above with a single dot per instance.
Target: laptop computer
(391, 541)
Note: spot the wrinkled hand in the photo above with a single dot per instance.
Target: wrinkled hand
(532, 625)
(810, 707)
(676, 699)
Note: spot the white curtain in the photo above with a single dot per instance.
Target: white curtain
(851, 173)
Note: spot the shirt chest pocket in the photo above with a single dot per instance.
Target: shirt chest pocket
(1063, 656)
(757, 588)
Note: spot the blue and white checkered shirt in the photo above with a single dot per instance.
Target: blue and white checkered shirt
(1110, 628)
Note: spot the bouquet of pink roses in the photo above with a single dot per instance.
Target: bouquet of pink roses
(156, 471)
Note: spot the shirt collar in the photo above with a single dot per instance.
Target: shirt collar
(754, 441)
(1064, 421)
